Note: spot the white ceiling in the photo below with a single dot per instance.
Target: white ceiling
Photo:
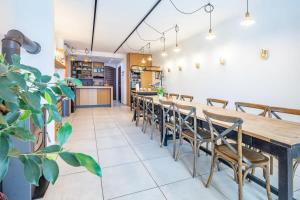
(117, 18)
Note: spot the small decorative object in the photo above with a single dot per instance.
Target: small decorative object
(264, 54)
(222, 61)
(160, 92)
(180, 68)
(197, 65)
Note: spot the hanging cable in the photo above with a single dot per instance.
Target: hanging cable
(146, 40)
(150, 26)
(192, 12)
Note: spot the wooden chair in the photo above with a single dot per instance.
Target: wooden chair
(174, 96)
(150, 116)
(213, 102)
(189, 131)
(140, 109)
(168, 124)
(134, 105)
(275, 112)
(186, 98)
(240, 106)
(237, 155)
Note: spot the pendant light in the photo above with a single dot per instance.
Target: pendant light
(150, 56)
(247, 20)
(143, 61)
(177, 49)
(163, 39)
(211, 35)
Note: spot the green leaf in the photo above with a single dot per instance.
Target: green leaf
(16, 59)
(36, 158)
(48, 97)
(6, 93)
(45, 78)
(33, 70)
(38, 119)
(14, 152)
(18, 79)
(56, 75)
(57, 90)
(3, 168)
(50, 170)
(11, 106)
(52, 149)
(2, 119)
(32, 171)
(12, 117)
(21, 133)
(33, 100)
(64, 133)
(51, 95)
(4, 147)
(75, 81)
(3, 68)
(53, 112)
(70, 158)
(67, 91)
(89, 163)
(25, 115)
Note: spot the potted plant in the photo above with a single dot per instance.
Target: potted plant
(24, 94)
(160, 92)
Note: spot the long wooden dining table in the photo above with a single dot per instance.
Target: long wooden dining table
(279, 138)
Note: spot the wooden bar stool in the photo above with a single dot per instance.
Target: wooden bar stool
(168, 124)
(214, 102)
(150, 116)
(275, 112)
(186, 98)
(240, 106)
(189, 131)
(237, 155)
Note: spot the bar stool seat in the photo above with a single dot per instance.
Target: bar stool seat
(251, 155)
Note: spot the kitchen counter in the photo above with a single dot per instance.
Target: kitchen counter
(94, 96)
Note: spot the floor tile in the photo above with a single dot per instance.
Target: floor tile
(152, 194)
(108, 132)
(190, 189)
(105, 125)
(166, 170)
(125, 179)
(111, 141)
(150, 151)
(83, 186)
(117, 156)
(82, 146)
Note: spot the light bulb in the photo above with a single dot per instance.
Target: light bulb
(143, 61)
(177, 49)
(210, 35)
(164, 54)
(247, 21)
(149, 58)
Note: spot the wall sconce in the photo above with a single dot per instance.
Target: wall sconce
(264, 54)
(222, 61)
(180, 68)
(169, 70)
(197, 65)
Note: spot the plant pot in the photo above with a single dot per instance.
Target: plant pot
(3, 196)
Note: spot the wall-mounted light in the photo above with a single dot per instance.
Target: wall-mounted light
(222, 61)
(197, 65)
(211, 35)
(264, 54)
(169, 70)
(247, 20)
(180, 68)
(177, 49)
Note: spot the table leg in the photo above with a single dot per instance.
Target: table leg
(285, 176)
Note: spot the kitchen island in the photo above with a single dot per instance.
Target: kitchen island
(94, 96)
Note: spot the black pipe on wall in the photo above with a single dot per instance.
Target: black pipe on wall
(14, 40)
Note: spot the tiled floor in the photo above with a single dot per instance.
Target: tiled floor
(136, 168)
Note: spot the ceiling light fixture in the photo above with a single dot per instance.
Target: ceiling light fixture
(143, 61)
(247, 20)
(211, 35)
(150, 56)
(163, 39)
(177, 49)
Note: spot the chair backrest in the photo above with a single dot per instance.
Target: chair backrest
(167, 108)
(149, 105)
(240, 106)
(186, 98)
(134, 99)
(274, 112)
(213, 102)
(174, 95)
(217, 137)
(166, 94)
(140, 103)
(184, 115)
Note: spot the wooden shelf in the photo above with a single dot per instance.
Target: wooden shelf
(59, 65)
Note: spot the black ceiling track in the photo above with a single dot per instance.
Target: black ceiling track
(137, 26)
(94, 22)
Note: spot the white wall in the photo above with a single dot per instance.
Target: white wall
(34, 18)
(245, 76)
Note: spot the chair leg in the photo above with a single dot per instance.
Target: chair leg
(271, 165)
(212, 167)
(240, 182)
(195, 152)
(152, 129)
(178, 149)
(206, 148)
(295, 167)
(267, 177)
(145, 125)
(174, 144)
(164, 137)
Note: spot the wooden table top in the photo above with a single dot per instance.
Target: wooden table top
(264, 128)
